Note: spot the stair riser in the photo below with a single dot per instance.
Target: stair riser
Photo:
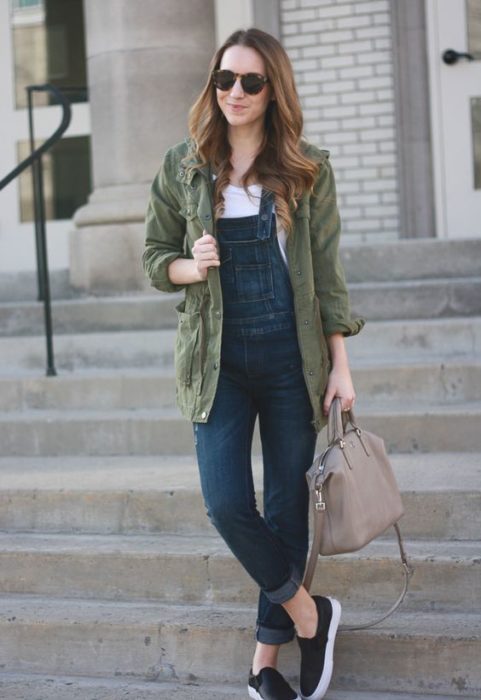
(447, 586)
(90, 392)
(371, 661)
(434, 384)
(442, 299)
(138, 349)
(153, 436)
(436, 299)
(408, 341)
(92, 316)
(416, 259)
(444, 515)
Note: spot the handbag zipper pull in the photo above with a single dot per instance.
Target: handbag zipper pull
(320, 503)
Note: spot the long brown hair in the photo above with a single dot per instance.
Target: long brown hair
(280, 166)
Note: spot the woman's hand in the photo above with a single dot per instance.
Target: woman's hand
(205, 254)
(339, 382)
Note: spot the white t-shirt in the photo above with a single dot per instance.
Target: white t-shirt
(238, 203)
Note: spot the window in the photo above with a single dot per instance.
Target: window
(48, 46)
(66, 178)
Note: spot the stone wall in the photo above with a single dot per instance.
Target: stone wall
(342, 57)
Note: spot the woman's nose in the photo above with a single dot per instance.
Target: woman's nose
(237, 90)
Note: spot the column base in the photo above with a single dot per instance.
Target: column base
(107, 244)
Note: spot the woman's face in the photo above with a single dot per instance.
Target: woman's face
(239, 108)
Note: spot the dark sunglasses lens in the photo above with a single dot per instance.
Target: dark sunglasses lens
(252, 83)
(224, 79)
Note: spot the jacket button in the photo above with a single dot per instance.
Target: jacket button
(306, 323)
(215, 365)
(264, 217)
(204, 414)
(217, 314)
(311, 372)
(299, 272)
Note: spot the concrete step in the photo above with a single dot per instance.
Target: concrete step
(92, 314)
(408, 428)
(417, 299)
(386, 300)
(27, 686)
(200, 569)
(135, 495)
(396, 341)
(443, 382)
(92, 350)
(411, 259)
(415, 258)
(22, 285)
(408, 653)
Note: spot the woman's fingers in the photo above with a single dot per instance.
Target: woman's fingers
(205, 252)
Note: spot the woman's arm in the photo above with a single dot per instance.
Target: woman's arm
(329, 278)
(339, 382)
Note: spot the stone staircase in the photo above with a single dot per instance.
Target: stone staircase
(114, 585)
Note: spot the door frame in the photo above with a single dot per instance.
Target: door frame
(434, 57)
(413, 120)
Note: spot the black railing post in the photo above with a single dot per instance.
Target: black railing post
(45, 279)
(36, 166)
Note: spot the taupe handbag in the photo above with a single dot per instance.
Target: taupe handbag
(354, 496)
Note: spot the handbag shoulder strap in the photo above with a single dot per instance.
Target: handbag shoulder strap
(314, 555)
(407, 573)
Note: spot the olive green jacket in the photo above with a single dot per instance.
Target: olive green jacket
(180, 208)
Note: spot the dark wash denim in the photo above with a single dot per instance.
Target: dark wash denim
(260, 376)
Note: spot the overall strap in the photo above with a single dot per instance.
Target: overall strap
(265, 215)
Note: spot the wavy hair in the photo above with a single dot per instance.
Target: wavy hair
(280, 165)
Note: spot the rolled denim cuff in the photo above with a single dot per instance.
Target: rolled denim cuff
(286, 591)
(268, 635)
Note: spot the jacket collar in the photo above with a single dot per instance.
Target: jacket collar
(185, 172)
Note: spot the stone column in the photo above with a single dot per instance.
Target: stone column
(147, 62)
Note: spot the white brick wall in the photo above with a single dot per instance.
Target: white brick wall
(341, 54)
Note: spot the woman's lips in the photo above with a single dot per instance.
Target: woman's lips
(237, 108)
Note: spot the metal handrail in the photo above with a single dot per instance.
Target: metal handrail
(57, 134)
(35, 160)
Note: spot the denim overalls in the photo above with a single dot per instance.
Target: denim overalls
(260, 375)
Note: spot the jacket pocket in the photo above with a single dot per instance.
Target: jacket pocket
(187, 347)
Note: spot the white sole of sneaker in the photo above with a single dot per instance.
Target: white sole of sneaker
(255, 695)
(325, 679)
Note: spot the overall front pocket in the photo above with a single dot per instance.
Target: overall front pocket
(254, 282)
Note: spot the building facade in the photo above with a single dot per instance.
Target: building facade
(400, 116)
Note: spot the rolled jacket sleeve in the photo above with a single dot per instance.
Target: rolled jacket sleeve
(165, 229)
(329, 277)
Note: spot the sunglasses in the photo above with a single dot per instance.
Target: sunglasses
(252, 83)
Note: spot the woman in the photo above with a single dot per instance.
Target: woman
(243, 216)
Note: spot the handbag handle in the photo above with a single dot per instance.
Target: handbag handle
(338, 420)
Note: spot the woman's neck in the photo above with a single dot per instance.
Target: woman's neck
(245, 145)
(245, 141)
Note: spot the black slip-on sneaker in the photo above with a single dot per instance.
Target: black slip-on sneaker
(269, 684)
(317, 652)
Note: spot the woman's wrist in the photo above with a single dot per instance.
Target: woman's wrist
(338, 352)
(184, 271)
